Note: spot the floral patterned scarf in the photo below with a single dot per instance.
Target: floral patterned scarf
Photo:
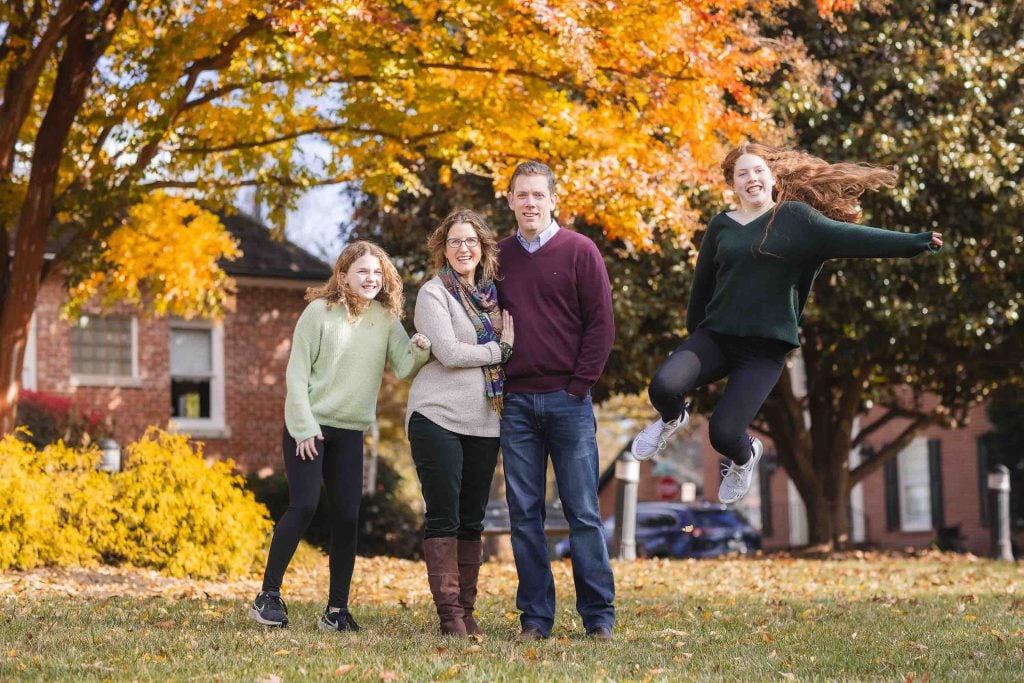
(481, 305)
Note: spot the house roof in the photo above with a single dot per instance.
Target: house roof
(264, 256)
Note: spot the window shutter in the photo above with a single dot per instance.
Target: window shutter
(892, 495)
(935, 482)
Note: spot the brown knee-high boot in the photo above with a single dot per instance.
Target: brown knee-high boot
(470, 553)
(441, 555)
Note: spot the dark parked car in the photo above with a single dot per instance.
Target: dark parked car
(684, 530)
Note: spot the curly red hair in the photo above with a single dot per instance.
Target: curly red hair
(335, 291)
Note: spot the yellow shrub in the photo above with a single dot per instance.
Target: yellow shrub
(180, 514)
(57, 508)
(168, 510)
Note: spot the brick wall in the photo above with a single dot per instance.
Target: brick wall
(257, 340)
(133, 406)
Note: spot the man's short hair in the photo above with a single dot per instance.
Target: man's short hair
(533, 168)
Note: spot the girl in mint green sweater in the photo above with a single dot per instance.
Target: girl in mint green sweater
(350, 328)
(754, 273)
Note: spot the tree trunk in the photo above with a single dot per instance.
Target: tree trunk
(87, 38)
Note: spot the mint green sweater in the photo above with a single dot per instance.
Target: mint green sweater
(335, 367)
(739, 291)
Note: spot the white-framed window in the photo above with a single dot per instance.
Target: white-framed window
(197, 378)
(915, 487)
(105, 350)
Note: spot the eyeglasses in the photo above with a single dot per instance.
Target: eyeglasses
(470, 242)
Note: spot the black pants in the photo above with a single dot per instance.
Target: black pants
(753, 365)
(338, 467)
(455, 472)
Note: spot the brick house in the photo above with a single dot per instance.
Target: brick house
(221, 381)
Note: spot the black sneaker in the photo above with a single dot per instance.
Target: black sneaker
(269, 609)
(337, 621)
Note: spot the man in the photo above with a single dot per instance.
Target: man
(555, 285)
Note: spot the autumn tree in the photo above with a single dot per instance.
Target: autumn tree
(107, 104)
(935, 90)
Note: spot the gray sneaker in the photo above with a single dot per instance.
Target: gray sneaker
(654, 437)
(269, 609)
(736, 478)
(337, 621)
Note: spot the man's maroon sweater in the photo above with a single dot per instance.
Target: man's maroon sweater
(561, 305)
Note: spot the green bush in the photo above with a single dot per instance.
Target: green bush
(168, 510)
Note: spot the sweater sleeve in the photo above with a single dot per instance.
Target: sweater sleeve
(298, 414)
(405, 357)
(836, 239)
(703, 286)
(433, 319)
(595, 296)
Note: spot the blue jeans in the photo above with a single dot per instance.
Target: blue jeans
(534, 426)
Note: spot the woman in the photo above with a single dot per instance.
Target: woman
(754, 272)
(341, 342)
(454, 406)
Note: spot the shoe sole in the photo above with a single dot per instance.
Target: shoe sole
(758, 452)
(255, 616)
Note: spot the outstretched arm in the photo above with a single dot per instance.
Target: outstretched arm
(836, 239)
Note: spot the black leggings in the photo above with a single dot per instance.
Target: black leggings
(455, 472)
(753, 365)
(339, 467)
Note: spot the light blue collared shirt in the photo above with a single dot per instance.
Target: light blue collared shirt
(538, 241)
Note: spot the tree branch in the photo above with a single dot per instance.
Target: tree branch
(246, 182)
(218, 61)
(890, 415)
(252, 144)
(890, 450)
(23, 81)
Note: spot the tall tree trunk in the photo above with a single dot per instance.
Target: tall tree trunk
(88, 36)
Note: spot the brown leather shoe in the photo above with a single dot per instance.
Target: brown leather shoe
(530, 633)
(600, 633)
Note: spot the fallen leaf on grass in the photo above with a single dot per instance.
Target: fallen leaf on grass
(473, 649)
(282, 653)
(165, 624)
(477, 637)
(511, 616)
(12, 653)
(388, 675)
(272, 678)
(452, 672)
(344, 669)
(531, 653)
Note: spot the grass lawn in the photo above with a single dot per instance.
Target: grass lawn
(866, 617)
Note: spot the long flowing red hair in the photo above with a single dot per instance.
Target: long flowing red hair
(832, 188)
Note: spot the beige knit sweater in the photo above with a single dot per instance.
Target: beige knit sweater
(449, 389)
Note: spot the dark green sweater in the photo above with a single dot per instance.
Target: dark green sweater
(740, 291)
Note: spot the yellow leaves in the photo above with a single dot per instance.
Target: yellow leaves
(165, 257)
(343, 669)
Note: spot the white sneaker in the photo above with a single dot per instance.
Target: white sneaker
(654, 437)
(736, 478)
